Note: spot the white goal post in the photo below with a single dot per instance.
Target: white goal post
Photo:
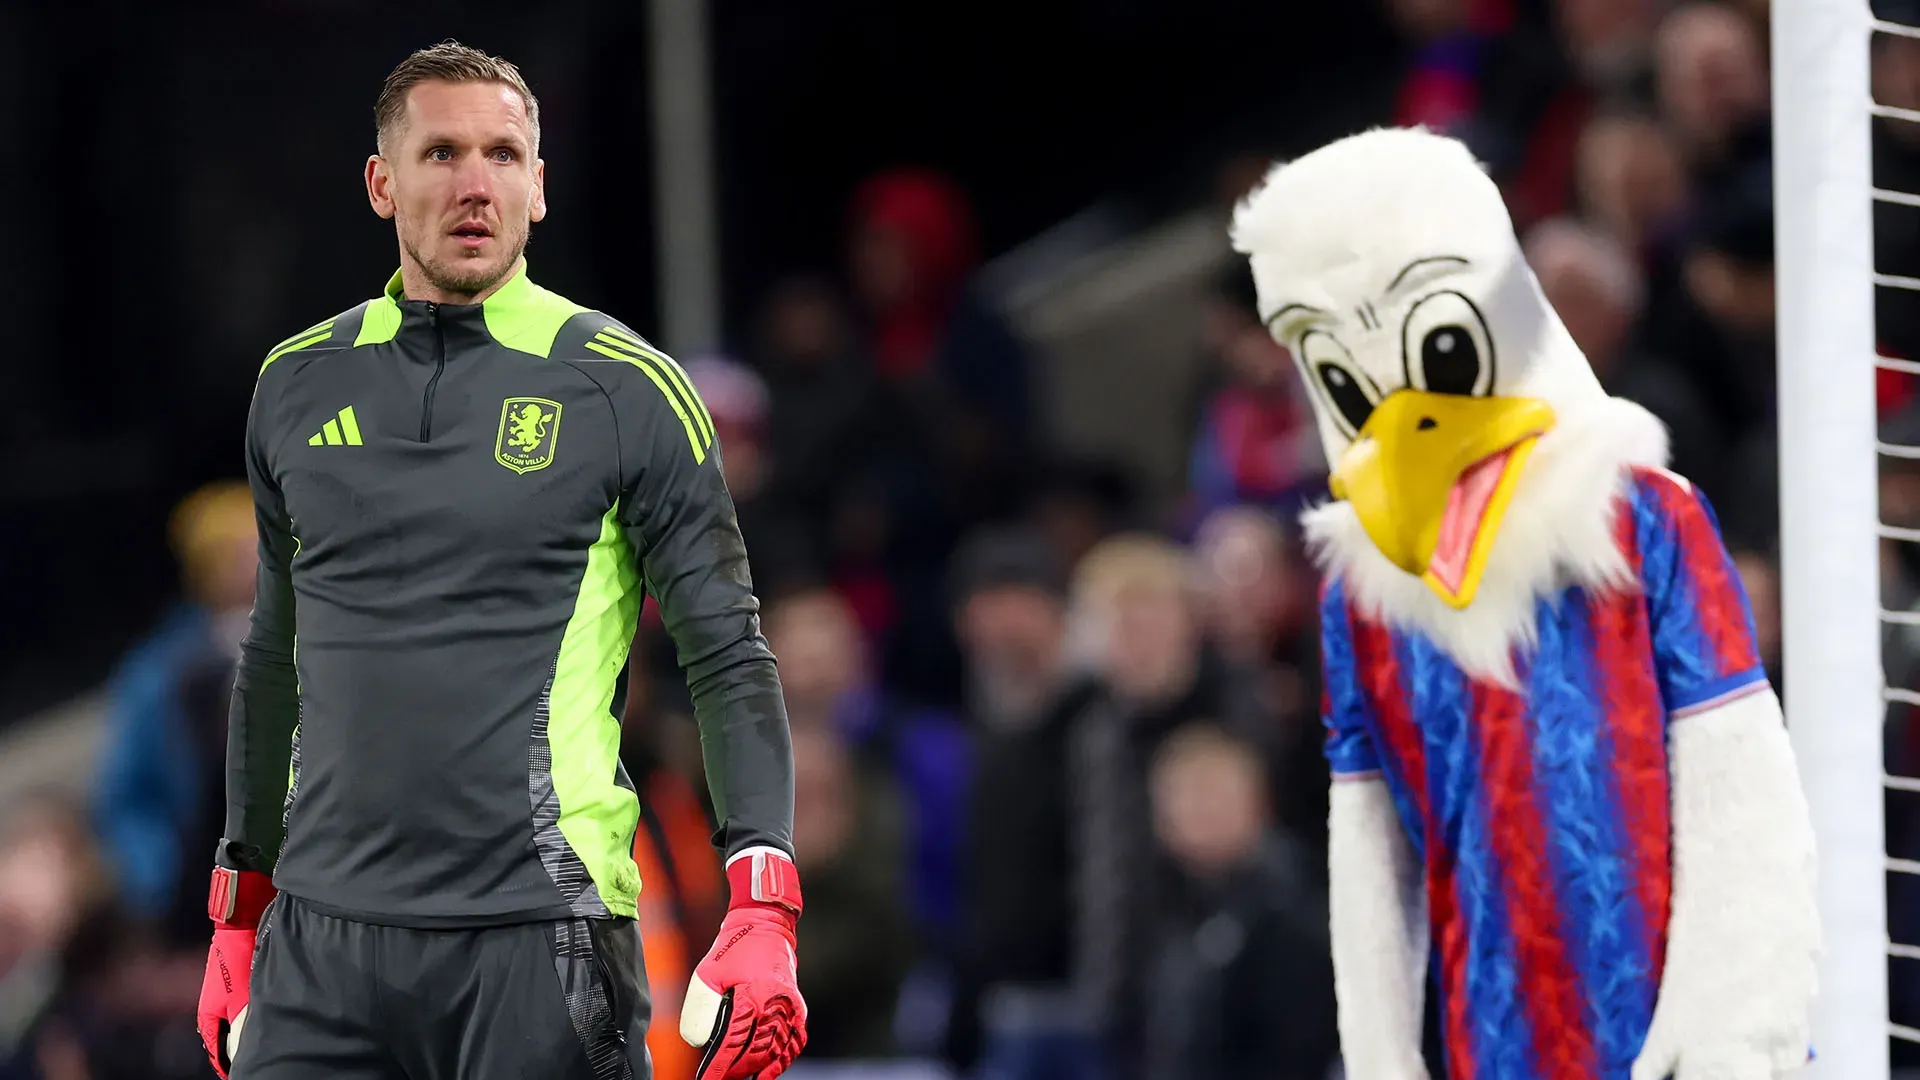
(1829, 503)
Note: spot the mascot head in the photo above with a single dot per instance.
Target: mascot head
(1388, 264)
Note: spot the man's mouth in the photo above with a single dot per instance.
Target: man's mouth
(472, 234)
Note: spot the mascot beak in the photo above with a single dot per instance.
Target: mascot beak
(1430, 476)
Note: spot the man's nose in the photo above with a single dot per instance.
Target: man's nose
(474, 182)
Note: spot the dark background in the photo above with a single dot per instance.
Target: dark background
(186, 187)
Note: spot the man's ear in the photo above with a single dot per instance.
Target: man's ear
(380, 186)
(537, 209)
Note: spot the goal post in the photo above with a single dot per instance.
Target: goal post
(1829, 504)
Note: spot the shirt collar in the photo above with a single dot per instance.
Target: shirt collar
(512, 294)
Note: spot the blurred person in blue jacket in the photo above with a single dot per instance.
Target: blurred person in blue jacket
(827, 676)
(160, 790)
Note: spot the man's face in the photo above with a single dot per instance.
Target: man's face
(461, 183)
(1712, 72)
(1013, 631)
(1598, 320)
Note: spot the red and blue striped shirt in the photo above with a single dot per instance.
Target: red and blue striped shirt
(1542, 816)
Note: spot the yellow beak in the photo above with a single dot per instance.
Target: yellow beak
(1430, 476)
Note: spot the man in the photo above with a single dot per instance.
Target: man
(462, 489)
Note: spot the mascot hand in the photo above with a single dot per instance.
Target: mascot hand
(1688, 1042)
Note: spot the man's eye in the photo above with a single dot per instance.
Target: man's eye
(504, 156)
(440, 153)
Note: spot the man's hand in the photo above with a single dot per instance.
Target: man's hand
(235, 901)
(744, 1002)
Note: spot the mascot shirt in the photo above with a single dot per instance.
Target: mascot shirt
(1547, 806)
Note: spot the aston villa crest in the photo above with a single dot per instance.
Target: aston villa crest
(529, 428)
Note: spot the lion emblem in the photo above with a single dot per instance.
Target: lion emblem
(529, 428)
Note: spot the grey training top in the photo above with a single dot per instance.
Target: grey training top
(460, 509)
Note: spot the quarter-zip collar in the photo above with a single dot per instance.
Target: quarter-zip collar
(464, 326)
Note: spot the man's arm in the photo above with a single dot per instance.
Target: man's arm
(260, 723)
(266, 695)
(743, 1003)
(680, 519)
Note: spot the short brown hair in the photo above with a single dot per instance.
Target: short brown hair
(449, 62)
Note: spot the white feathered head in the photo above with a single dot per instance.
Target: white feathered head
(1388, 264)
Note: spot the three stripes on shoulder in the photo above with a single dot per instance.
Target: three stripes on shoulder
(674, 385)
(312, 335)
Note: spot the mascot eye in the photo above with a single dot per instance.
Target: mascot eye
(1447, 348)
(1333, 370)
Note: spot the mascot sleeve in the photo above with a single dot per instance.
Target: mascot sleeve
(1743, 932)
(1377, 896)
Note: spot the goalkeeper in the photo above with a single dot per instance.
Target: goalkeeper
(462, 490)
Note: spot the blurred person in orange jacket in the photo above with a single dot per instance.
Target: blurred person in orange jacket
(678, 907)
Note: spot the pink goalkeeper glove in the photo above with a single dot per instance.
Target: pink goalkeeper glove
(744, 1002)
(235, 901)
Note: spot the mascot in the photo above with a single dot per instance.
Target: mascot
(1562, 781)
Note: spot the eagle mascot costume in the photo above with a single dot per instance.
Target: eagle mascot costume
(1563, 785)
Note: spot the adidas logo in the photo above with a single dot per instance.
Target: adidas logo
(343, 430)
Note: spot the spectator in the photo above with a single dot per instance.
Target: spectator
(1439, 91)
(831, 688)
(160, 797)
(1243, 972)
(81, 996)
(914, 246)
(1727, 268)
(1632, 184)
(830, 423)
(1255, 598)
(1023, 702)
(1496, 75)
(1257, 442)
(1599, 294)
(1077, 504)
(1711, 79)
(1549, 85)
(1607, 41)
(936, 336)
(1258, 601)
(740, 403)
(1136, 619)
(856, 935)
(48, 879)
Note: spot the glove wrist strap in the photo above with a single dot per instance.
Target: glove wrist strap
(237, 898)
(764, 875)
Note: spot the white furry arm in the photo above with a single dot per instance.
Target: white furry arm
(1379, 929)
(1744, 932)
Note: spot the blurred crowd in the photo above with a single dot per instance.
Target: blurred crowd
(1060, 801)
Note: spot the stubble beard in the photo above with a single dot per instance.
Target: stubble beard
(468, 277)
